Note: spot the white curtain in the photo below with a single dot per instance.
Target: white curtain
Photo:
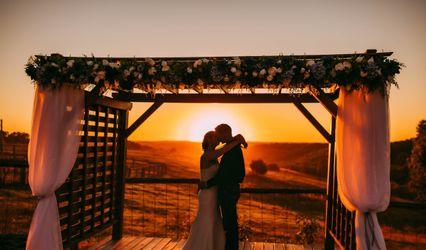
(363, 161)
(53, 149)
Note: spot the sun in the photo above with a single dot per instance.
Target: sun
(206, 119)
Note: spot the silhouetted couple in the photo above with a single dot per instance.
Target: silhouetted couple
(216, 225)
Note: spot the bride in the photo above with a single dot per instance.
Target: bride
(207, 230)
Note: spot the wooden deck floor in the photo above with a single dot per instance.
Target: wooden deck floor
(149, 243)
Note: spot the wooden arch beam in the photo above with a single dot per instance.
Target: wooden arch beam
(326, 101)
(142, 118)
(313, 121)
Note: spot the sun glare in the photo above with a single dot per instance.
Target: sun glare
(207, 119)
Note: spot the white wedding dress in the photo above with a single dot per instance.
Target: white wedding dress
(207, 230)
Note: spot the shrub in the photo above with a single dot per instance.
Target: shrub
(259, 167)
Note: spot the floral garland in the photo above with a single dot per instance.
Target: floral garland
(372, 71)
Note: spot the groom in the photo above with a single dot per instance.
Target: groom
(228, 178)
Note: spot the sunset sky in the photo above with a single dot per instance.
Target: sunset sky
(215, 28)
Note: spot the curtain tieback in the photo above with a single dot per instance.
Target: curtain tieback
(369, 224)
(41, 197)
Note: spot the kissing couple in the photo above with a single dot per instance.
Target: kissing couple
(216, 226)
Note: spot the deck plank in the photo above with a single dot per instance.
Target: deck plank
(268, 246)
(122, 244)
(180, 244)
(152, 244)
(279, 246)
(257, 246)
(133, 242)
(171, 245)
(100, 244)
(143, 243)
(162, 244)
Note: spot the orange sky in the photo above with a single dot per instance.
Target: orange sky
(196, 28)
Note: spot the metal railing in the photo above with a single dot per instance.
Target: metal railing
(167, 207)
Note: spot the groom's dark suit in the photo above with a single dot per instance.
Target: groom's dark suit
(228, 178)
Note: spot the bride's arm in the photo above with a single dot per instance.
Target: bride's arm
(238, 140)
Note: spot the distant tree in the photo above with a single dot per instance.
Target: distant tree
(259, 167)
(18, 137)
(417, 163)
(273, 167)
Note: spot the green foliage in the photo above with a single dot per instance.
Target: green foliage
(417, 163)
(372, 71)
(15, 137)
(308, 231)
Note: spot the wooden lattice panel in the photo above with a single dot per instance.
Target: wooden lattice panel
(86, 199)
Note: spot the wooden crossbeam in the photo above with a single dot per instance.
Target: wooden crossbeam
(313, 121)
(324, 99)
(143, 118)
(221, 98)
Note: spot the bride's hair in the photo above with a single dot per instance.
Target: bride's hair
(207, 139)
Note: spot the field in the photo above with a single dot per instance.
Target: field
(169, 209)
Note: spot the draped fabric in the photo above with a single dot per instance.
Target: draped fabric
(363, 161)
(53, 149)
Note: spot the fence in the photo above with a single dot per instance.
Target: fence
(166, 208)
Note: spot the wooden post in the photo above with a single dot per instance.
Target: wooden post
(117, 229)
(329, 241)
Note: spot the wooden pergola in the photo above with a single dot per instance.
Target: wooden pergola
(92, 198)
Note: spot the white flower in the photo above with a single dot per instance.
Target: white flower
(302, 70)
(96, 66)
(262, 72)
(105, 62)
(165, 68)
(89, 63)
(114, 65)
(347, 64)
(151, 71)
(189, 70)
(339, 67)
(139, 76)
(163, 63)
(54, 65)
(359, 59)
(310, 63)
(272, 71)
(205, 60)
(233, 69)
(70, 63)
(72, 77)
(279, 70)
(150, 62)
(198, 63)
(254, 74)
(126, 73)
(371, 60)
(237, 61)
